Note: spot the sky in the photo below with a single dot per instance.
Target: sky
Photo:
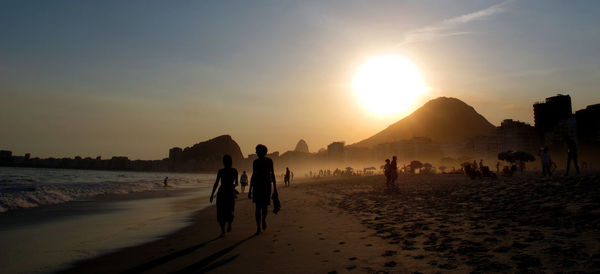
(135, 78)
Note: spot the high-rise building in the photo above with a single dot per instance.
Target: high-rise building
(588, 124)
(335, 150)
(547, 114)
(175, 154)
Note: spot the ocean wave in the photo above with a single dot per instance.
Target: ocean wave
(29, 188)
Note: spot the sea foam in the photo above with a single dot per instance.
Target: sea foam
(27, 187)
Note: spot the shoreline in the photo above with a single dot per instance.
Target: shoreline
(97, 226)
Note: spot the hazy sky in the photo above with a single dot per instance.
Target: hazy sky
(134, 78)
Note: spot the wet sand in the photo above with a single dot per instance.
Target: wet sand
(431, 223)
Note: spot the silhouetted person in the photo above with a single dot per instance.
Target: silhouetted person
(481, 164)
(546, 162)
(572, 154)
(226, 194)
(288, 177)
(386, 172)
(393, 170)
(165, 183)
(263, 176)
(497, 167)
(243, 180)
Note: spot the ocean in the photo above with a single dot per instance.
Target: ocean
(51, 218)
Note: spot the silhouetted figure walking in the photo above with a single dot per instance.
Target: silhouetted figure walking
(263, 176)
(572, 154)
(165, 183)
(226, 194)
(288, 177)
(243, 180)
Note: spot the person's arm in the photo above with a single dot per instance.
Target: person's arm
(215, 186)
(251, 182)
(273, 177)
(235, 182)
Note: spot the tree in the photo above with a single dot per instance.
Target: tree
(414, 165)
(427, 168)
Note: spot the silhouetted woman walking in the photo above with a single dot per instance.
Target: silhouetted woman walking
(226, 194)
(260, 186)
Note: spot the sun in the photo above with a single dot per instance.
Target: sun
(388, 84)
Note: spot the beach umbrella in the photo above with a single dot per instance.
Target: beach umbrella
(506, 156)
(524, 156)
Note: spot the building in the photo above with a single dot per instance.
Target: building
(335, 150)
(516, 135)
(5, 156)
(588, 125)
(547, 114)
(175, 154)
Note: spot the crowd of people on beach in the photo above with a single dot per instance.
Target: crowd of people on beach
(515, 159)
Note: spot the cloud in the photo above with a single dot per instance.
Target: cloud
(448, 27)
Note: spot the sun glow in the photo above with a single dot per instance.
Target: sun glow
(388, 84)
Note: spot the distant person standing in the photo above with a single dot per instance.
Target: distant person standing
(393, 170)
(546, 162)
(386, 172)
(497, 167)
(226, 194)
(165, 183)
(571, 154)
(481, 164)
(243, 180)
(263, 175)
(288, 177)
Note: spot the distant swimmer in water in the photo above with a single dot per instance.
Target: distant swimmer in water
(226, 194)
(165, 183)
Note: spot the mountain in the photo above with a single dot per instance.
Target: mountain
(442, 119)
(301, 146)
(211, 151)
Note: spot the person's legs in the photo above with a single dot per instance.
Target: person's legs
(222, 224)
(568, 164)
(258, 218)
(264, 217)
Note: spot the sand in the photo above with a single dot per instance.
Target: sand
(430, 223)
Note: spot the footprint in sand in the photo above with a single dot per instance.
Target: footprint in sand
(390, 264)
(336, 251)
(352, 258)
(388, 253)
(350, 267)
(341, 243)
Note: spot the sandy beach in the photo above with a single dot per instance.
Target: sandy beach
(431, 223)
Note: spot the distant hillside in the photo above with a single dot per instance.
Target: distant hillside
(301, 146)
(442, 119)
(211, 151)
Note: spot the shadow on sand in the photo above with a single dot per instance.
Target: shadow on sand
(165, 259)
(210, 263)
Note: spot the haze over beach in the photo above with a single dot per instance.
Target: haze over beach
(299, 136)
